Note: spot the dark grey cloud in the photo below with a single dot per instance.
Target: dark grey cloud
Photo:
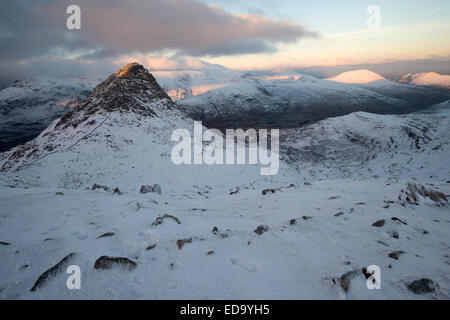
(113, 27)
(33, 33)
(232, 48)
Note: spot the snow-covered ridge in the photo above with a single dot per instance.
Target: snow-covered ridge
(292, 100)
(29, 106)
(357, 77)
(119, 134)
(431, 79)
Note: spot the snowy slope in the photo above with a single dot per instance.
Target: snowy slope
(185, 83)
(430, 79)
(357, 76)
(305, 233)
(364, 144)
(29, 106)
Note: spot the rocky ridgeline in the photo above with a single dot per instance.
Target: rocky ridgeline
(131, 90)
(127, 90)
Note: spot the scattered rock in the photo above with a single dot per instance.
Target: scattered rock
(307, 183)
(150, 247)
(159, 220)
(52, 272)
(339, 214)
(393, 234)
(182, 242)
(398, 220)
(3, 243)
(386, 206)
(117, 191)
(106, 235)
(105, 263)
(97, 186)
(292, 222)
(210, 252)
(413, 191)
(396, 254)
(306, 217)
(261, 229)
(234, 192)
(156, 188)
(215, 230)
(379, 223)
(266, 191)
(334, 198)
(345, 279)
(59, 193)
(422, 286)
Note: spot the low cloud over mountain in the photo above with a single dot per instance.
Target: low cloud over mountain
(113, 28)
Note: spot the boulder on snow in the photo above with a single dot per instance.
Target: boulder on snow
(105, 263)
(414, 191)
(156, 188)
(261, 229)
(182, 242)
(52, 272)
(345, 279)
(106, 235)
(396, 254)
(422, 286)
(159, 220)
(379, 223)
(97, 186)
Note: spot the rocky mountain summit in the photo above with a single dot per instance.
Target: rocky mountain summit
(130, 89)
(119, 136)
(130, 93)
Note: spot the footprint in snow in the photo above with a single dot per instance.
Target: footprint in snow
(250, 267)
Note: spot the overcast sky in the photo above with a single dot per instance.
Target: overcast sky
(250, 34)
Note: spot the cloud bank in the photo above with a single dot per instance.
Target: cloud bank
(33, 31)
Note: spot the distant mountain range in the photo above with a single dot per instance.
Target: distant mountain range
(224, 98)
(430, 79)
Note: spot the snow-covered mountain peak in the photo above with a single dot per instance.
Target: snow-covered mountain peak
(431, 79)
(131, 89)
(357, 76)
(120, 135)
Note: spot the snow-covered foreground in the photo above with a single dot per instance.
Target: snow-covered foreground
(332, 234)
